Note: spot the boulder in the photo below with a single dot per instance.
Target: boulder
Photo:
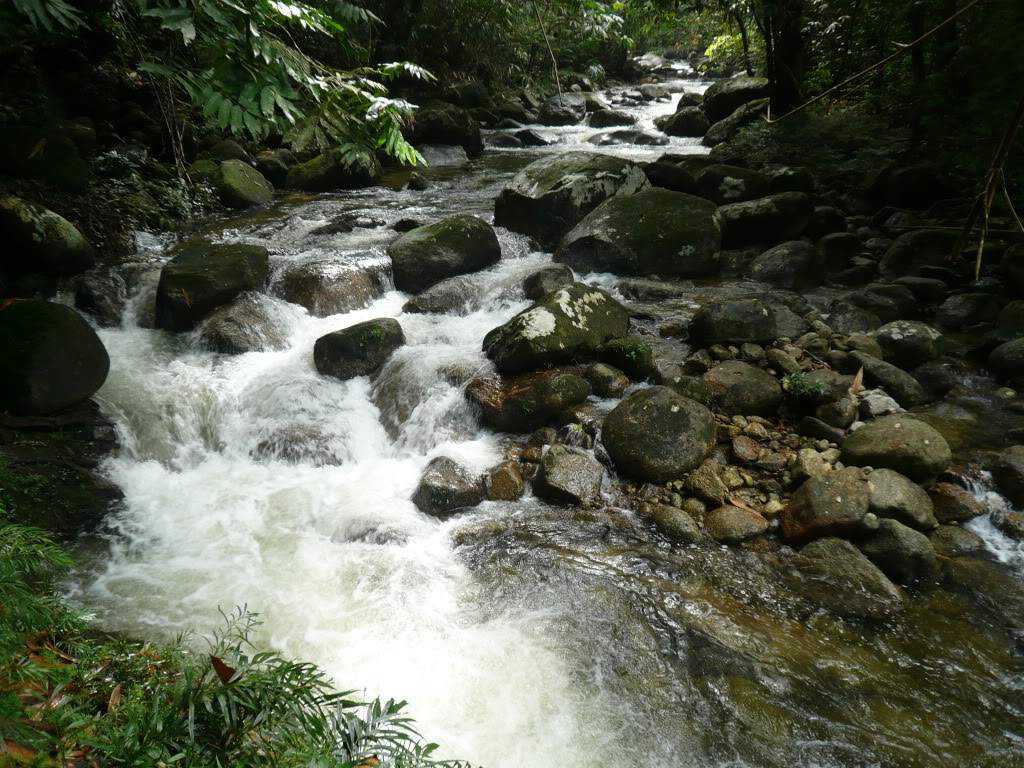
(248, 324)
(445, 487)
(687, 122)
(736, 321)
(726, 129)
(203, 277)
(103, 295)
(52, 358)
(1008, 472)
(573, 320)
(327, 287)
(916, 249)
(742, 389)
(358, 350)
(37, 240)
(903, 444)
(894, 496)
(229, 149)
(726, 96)
(832, 504)
(731, 525)
(524, 403)
(675, 524)
(569, 475)
(904, 555)
(795, 266)
(453, 246)
(274, 164)
(547, 279)
(908, 344)
(834, 574)
(657, 435)
(239, 185)
(456, 295)
(900, 384)
(447, 124)
(505, 482)
(655, 231)
(611, 118)
(552, 195)
(838, 250)
(606, 380)
(671, 176)
(766, 220)
(954, 541)
(334, 170)
(724, 184)
(965, 310)
(532, 138)
(628, 136)
(563, 109)
(471, 95)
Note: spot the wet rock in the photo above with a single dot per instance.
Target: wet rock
(724, 184)
(611, 118)
(954, 541)
(552, 195)
(418, 182)
(834, 574)
(504, 140)
(1007, 360)
(526, 402)
(782, 361)
(52, 358)
(901, 385)
(746, 450)
(545, 280)
(326, 287)
(634, 356)
(572, 320)
(727, 128)
(37, 240)
(447, 124)
(563, 109)
(505, 482)
(657, 435)
(888, 302)
(897, 442)
(453, 246)
(201, 278)
(445, 488)
(733, 322)
(937, 378)
(456, 295)
(839, 414)
(332, 170)
(675, 524)
(904, 555)
(809, 463)
(908, 344)
(239, 185)
(965, 310)
(705, 483)
(297, 444)
(817, 429)
(833, 504)
(725, 96)
(606, 380)
(101, 294)
(358, 350)
(654, 231)
(569, 475)
(687, 122)
(248, 324)
(532, 138)
(671, 176)
(846, 318)
(741, 388)
(228, 149)
(897, 497)
(795, 265)
(628, 136)
(913, 250)
(766, 220)
(275, 164)
(953, 504)
(731, 525)
(1008, 472)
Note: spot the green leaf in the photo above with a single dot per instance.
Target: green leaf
(268, 97)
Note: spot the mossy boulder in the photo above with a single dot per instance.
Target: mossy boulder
(333, 170)
(687, 122)
(795, 266)
(634, 356)
(206, 276)
(358, 350)
(570, 322)
(239, 185)
(656, 435)
(453, 246)
(552, 195)
(740, 388)
(903, 444)
(274, 164)
(439, 122)
(52, 358)
(203, 172)
(766, 220)
(547, 279)
(527, 402)
(653, 232)
(736, 321)
(726, 96)
(38, 241)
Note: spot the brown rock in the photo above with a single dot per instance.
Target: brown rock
(953, 504)
(505, 482)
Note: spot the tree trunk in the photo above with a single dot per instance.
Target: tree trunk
(788, 67)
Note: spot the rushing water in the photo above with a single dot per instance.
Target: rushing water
(521, 634)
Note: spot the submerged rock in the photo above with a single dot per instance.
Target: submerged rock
(453, 246)
(658, 435)
(903, 444)
(572, 320)
(569, 475)
(52, 358)
(445, 488)
(358, 350)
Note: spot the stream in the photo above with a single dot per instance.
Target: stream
(520, 633)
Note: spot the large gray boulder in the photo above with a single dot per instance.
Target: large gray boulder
(567, 108)
(445, 487)
(334, 170)
(834, 574)
(736, 321)
(657, 435)
(552, 195)
(569, 475)
(653, 232)
(611, 118)
(832, 504)
(894, 496)
(903, 444)
(795, 266)
(572, 320)
(739, 388)
(453, 246)
(37, 240)
(52, 358)
(766, 220)
(206, 276)
(726, 96)
(908, 343)
(358, 350)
